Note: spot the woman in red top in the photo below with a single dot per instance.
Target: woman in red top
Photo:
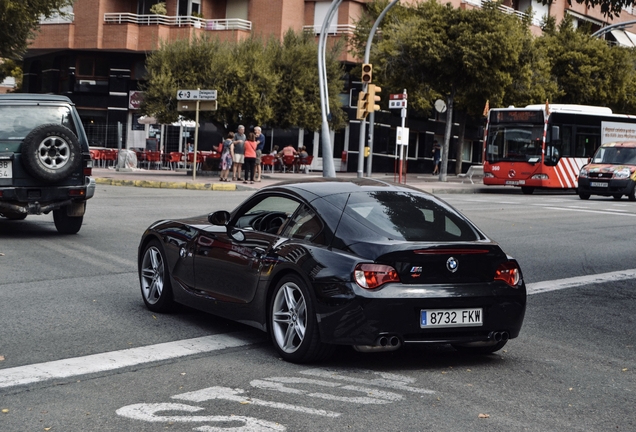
(250, 157)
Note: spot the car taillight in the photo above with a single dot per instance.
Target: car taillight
(88, 168)
(509, 273)
(77, 192)
(370, 276)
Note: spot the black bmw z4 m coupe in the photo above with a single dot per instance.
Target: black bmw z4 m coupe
(333, 262)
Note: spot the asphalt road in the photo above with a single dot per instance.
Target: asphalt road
(64, 298)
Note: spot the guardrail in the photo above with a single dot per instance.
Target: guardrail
(178, 21)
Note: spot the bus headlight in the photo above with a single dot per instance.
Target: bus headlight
(583, 173)
(540, 177)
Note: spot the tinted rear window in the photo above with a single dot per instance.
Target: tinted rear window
(408, 216)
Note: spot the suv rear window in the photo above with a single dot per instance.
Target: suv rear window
(16, 121)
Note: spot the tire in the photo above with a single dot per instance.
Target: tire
(617, 197)
(527, 190)
(480, 350)
(632, 194)
(292, 323)
(66, 224)
(15, 216)
(51, 152)
(584, 196)
(154, 278)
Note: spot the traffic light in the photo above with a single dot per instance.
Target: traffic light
(367, 73)
(373, 97)
(363, 100)
(367, 151)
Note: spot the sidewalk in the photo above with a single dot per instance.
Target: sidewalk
(180, 180)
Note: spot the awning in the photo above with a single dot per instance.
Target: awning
(585, 18)
(622, 38)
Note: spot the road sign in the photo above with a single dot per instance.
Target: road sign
(397, 96)
(187, 94)
(192, 106)
(402, 136)
(397, 104)
(207, 95)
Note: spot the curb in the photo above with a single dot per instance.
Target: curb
(168, 185)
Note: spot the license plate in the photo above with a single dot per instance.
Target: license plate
(512, 182)
(599, 184)
(6, 169)
(451, 318)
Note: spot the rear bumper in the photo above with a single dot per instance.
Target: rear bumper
(397, 311)
(38, 200)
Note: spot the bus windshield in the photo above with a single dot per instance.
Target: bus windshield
(514, 143)
(616, 155)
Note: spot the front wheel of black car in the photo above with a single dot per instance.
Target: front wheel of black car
(51, 152)
(154, 278)
(66, 224)
(292, 323)
(632, 194)
(480, 349)
(584, 196)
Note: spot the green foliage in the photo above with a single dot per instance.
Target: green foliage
(12, 69)
(19, 20)
(159, 8)
(257, 82)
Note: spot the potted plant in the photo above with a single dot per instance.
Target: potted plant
(159, 8)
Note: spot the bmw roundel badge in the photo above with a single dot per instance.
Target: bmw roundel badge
(452, 265)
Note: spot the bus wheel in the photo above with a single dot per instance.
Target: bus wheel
(527, 190)
(584, 196)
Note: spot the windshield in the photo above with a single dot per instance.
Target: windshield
(514, 143)
(16, 121)
(616, 155)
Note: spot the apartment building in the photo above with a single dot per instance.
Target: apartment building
(96, 54)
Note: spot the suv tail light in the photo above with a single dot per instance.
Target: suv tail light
(88, 167)
(371, 276)
(509, 273)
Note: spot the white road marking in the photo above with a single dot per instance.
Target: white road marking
(573, 282)
(148, 413)
(119, 359)
(96, 363)
(235, 395)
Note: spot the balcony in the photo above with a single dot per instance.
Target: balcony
(537, 19)
(178, 21)
(340, 29)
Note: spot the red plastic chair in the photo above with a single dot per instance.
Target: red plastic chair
(198, 162)
(176, 160)
(153, 158)
(289, 161)
(96, 155)
(109, 157)
(305, 163)
(268, 161)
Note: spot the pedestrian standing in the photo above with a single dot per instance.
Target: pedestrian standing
(227, 156)
(260, 139)
(239, 153)
(436, 157)
(250, 157)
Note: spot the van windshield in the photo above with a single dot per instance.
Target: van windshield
(616, 155)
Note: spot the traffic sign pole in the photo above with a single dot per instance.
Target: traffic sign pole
(196, 142)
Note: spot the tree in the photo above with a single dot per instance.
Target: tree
(19, 20)
(464, 56)
(257, 82)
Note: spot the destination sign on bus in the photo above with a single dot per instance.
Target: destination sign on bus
(516, 117)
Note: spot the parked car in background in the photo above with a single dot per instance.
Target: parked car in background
(339, 262)
(611, 172)
(45, 164)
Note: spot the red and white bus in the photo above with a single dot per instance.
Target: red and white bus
(545, 146)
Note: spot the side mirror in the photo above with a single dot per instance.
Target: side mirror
(220, 217)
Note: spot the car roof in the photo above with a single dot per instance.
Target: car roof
(37, 97)
(325, 186)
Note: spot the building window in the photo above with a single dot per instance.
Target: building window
(92, 67)
(320, 12)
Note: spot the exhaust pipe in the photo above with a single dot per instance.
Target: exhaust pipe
(499, 336)
(383, 344)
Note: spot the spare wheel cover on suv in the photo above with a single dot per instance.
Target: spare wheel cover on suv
(51, 152)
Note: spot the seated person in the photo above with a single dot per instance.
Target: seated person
(303, 152)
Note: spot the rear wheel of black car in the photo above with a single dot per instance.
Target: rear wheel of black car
(66, 224)
(51, 152)
(154, 278)
(292, 323)
(480, 349)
